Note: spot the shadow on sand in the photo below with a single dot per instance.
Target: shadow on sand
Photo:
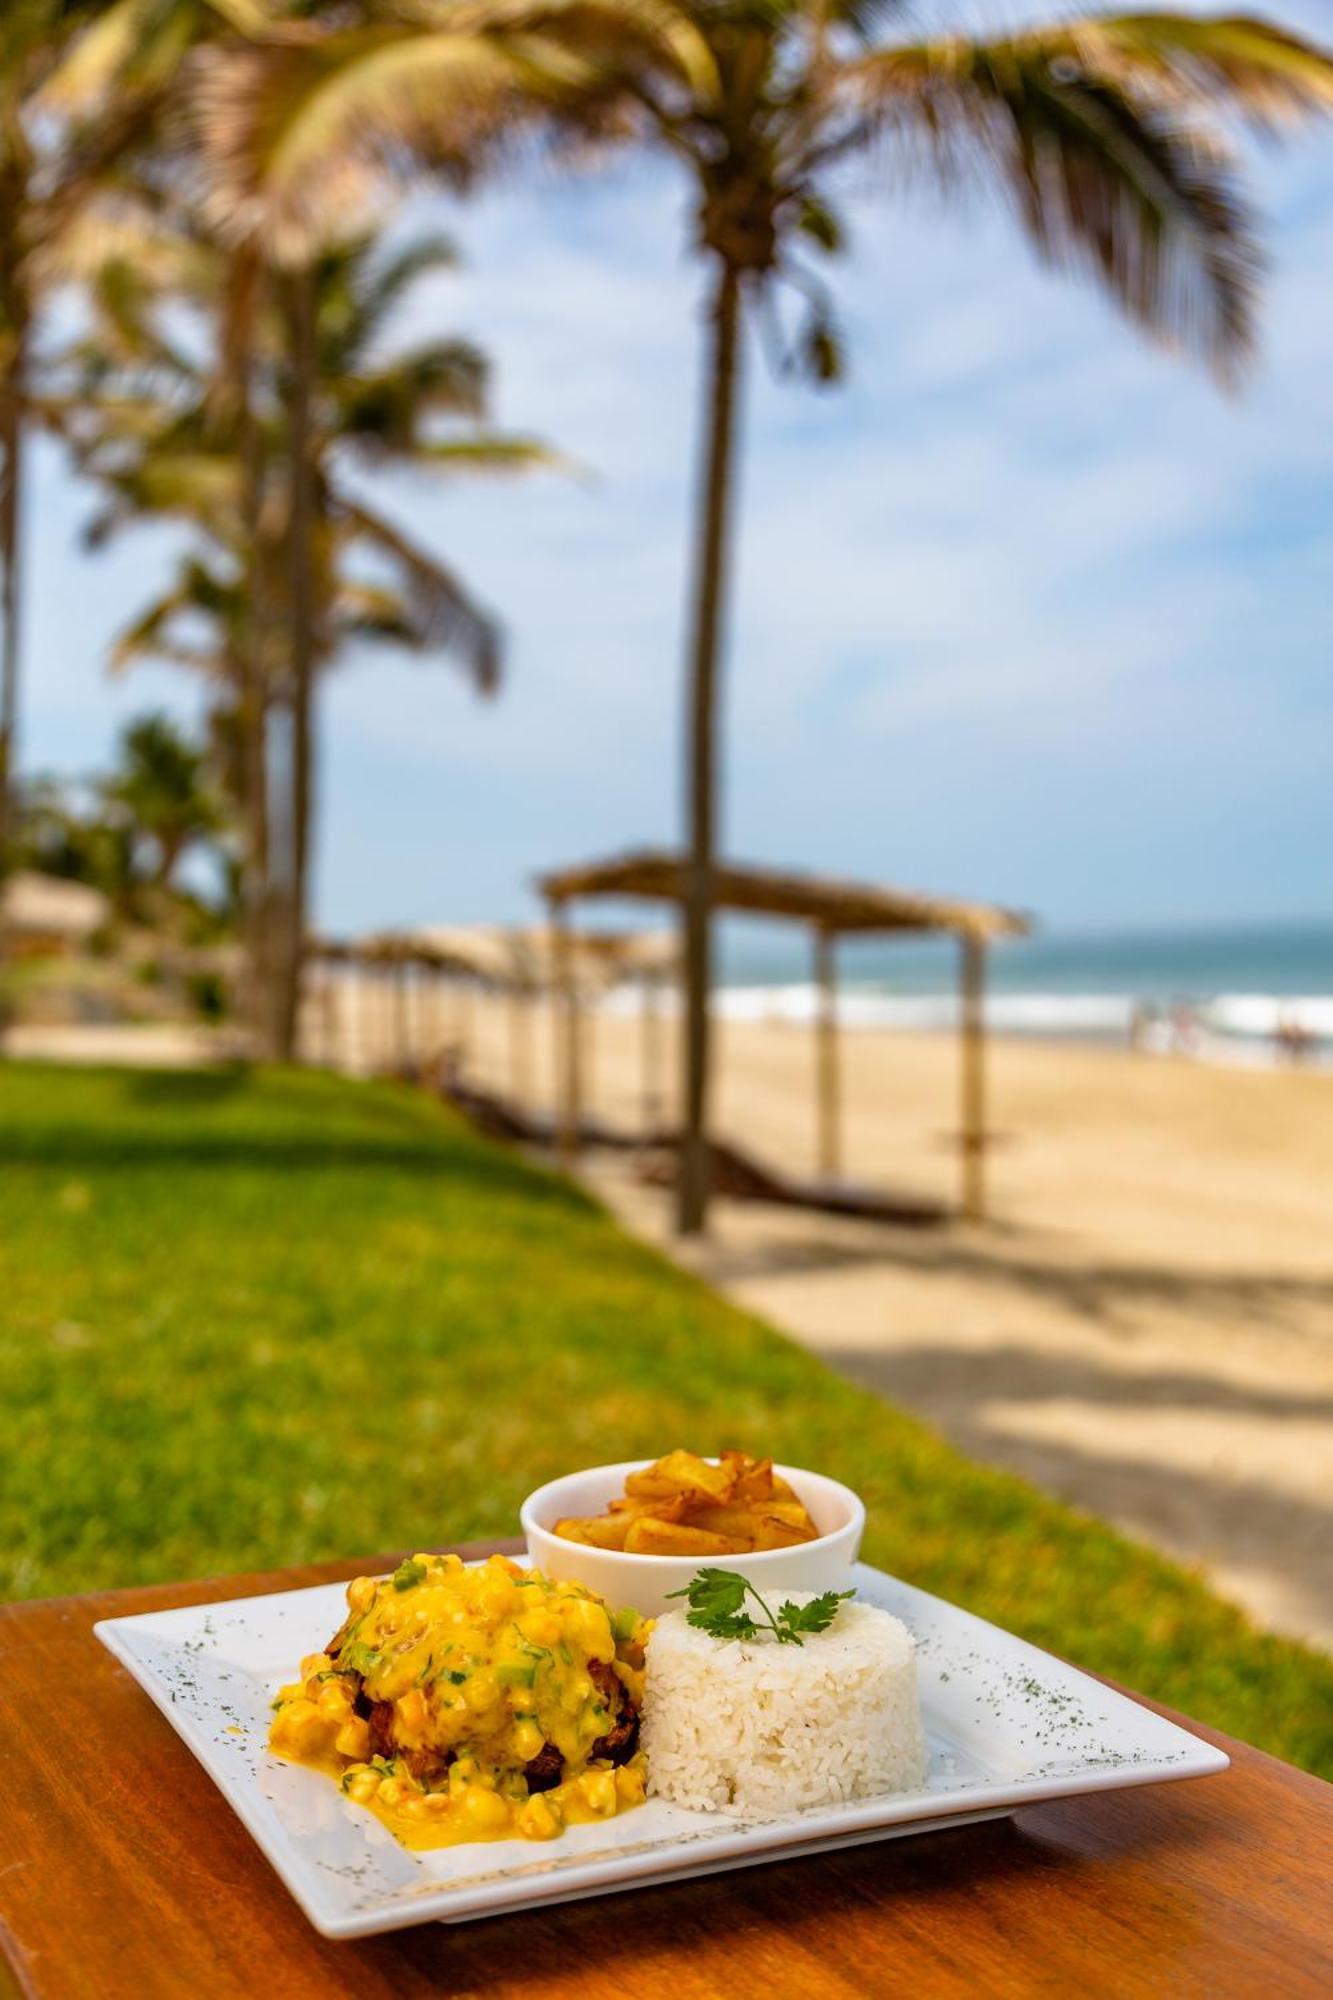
(1209, 1516)
(1109, 1294)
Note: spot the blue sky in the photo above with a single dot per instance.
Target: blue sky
(1025, 610)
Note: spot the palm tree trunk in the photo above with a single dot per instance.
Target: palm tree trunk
(11, 493)
(301, 321)
(710, 581)
(11, 444)
(241, 305)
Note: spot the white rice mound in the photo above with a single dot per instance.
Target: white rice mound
(758, 1729)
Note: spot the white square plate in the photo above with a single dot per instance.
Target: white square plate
(1006, 1724)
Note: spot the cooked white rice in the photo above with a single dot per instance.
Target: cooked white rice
(751, 1727)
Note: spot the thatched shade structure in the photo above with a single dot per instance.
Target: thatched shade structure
(832, 908)
(523, 957)
(529, 962)
(521, 963)
(47, 913)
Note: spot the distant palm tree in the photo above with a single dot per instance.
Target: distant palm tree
(326, 566)
(1103, 135)
(65, 829)
(162, 784)
(82, 83)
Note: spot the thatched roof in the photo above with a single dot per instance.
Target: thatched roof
(48, 906)
(658, 876)
(513, 958)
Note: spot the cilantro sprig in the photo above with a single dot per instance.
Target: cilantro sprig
(717, 1605)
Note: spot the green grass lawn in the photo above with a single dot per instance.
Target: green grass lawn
(250, 1319)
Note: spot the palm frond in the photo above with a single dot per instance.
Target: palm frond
(136, 45)
(297, 139)
(384, 409)
(661, 35)
(389, 279)
(490, 453)
(193, 487)
(1251, 68)
(436, 602)
(1122, 185)
(144, 637)
(373, 611)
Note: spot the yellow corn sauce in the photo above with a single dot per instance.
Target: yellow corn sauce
(491, 1663)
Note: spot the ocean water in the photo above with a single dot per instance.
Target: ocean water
(1242, 993)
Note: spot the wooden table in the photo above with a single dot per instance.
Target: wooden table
(122, 1873)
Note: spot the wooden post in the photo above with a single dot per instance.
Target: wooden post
(355, 1015)
(587, 1006)
(384, 974)
(402, 1046)
(461, 1031)
(568, 1108)
(520, 1043)
(415, 991)
(972, 1052)
(439, 1025)
(330, 1007)
(650, 1052)
(827, 1091)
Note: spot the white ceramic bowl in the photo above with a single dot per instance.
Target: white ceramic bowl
(647, 1582)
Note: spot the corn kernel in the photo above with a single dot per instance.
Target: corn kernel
(353, 1740)
(536, 1821)
(300, 1729)
(413, 1715)
(485, 1812)
(599, 1790)
(542, 1627)
(630, 1787)
(590, 1625)
(462, 1775)
(525, 1740)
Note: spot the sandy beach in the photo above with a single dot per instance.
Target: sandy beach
(1145, 1325)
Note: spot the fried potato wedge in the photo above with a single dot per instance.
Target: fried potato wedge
(605, 1531)
(571, 1530)
(770, 1533)
(754, 1526)
(752, 1478)
(687, 1505)
(647, 1537)
(690, 1474)
(670, 1509)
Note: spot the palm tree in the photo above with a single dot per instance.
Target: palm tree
(162, 785)
(82, 83)
(1106, 137)
(65, 830)
(331, 405)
